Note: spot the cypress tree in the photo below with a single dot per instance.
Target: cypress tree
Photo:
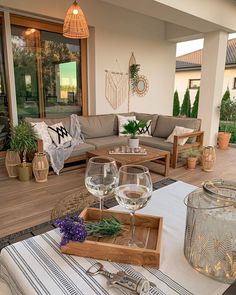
(195, 105)
(176, 105)
(226, 95)
(225, 99)
(186, 105)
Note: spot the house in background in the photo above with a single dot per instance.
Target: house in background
(188, 72)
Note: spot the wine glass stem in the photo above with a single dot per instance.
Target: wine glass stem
(101, 207)
(132, 227)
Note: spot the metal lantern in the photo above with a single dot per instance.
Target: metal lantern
(210, 234)
(40, 167)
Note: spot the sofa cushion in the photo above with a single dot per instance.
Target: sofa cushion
(146, 117)
(81, 149)
(178, 130)
(109, 141)
(97, 126)
(124, 120)
(156, 142)
(59, 134)
(166, 124)
(116, 125)
(41, 131)
(65, 121)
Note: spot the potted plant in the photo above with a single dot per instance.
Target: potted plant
(133, 71)
(192, 156)
(228, 114)
(23, 141)
(131, 128)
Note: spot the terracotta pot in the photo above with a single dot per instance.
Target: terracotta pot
(40, 167)
(11, 161)
(223, 140)
(191, 163)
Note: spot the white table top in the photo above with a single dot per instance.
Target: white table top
(36, 266)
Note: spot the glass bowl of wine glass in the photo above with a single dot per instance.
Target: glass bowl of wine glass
(133, 192)
(101, 178)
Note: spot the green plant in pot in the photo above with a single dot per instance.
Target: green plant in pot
(23, 141)
(192, 155)
(132, 128)
(228, 113)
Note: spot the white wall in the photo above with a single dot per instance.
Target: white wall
(118, 32)
(182, 82)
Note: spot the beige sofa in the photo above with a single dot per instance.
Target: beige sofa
(101, 131)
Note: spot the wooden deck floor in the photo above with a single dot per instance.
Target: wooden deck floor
(23, 205)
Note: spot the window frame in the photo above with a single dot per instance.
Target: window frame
(190, 82)
(56, 28)
(234, 83)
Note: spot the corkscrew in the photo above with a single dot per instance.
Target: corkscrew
(121, 280)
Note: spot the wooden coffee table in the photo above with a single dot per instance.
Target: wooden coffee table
(153, 155)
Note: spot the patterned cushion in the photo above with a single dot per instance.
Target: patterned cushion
(59, 134)
(41, 131)
(146, 131)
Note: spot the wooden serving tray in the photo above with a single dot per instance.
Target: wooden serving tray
(148, 229)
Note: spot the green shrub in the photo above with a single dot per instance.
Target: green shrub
(194, 112)
(186, 105)
(176, 104)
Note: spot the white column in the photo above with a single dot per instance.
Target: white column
(11, 90)
(212, 76)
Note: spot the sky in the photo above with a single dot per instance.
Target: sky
(189, 46)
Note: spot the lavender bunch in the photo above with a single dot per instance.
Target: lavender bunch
(73, 229)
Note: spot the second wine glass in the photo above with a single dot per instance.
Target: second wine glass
(101, 178)
(133, 192)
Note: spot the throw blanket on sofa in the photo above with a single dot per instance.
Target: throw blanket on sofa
(58, 155)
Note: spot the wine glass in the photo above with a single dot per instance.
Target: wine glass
(101, 178)
(133, 192)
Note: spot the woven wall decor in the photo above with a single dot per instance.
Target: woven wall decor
(116, 87)
(75, 25)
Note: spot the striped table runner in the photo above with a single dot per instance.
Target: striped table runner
(36, 265)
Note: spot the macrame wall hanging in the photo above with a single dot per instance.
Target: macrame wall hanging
(116, 86)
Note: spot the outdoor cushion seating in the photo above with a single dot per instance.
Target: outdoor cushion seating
(108, 141)
(101, 131)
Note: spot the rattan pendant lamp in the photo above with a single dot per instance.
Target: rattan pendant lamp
(75, 25)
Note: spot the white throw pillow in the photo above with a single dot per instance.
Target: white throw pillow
(41, 131)
(122, 120)
(179, 130)
(59, 134)
(146, 131)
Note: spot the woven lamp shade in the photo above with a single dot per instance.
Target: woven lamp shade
(75, 25)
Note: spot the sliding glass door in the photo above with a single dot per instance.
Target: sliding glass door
(4, 113)
(47, 73)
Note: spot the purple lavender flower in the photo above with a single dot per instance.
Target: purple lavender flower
(73, 229)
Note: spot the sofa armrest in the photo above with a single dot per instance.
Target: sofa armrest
(192, 134)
